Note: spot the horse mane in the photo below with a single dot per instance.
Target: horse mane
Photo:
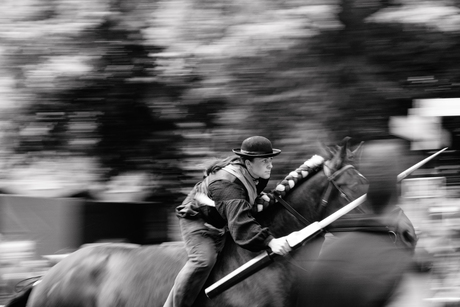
(279, 220)
(273, 209)
(304, 188)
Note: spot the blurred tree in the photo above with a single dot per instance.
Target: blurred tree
(96, 92)
(376, 69)
(106, 111)
(140, 83)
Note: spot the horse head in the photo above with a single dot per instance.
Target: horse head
(335, 185)
(345, 182)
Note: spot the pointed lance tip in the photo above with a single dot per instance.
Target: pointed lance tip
(408, 171)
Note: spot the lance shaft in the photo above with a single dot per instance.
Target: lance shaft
(295, 240)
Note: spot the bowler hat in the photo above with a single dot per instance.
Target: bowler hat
(256, 147)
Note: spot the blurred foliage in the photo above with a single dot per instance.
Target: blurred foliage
(159, 86)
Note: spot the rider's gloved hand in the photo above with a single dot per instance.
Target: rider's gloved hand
(280, 246)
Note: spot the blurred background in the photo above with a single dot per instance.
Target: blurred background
(110, 108)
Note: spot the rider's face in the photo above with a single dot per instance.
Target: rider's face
(260, 167)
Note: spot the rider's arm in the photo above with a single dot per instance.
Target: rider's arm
(230, 201)
(245, 230)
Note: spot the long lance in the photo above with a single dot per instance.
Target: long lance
(408, 171)
(295, 240)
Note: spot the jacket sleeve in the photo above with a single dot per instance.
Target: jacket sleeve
(232, 205)
(188, 209)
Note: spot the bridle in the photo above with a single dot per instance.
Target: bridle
(325, 199)
(331, 176)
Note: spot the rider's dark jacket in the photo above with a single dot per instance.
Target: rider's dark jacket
(234, 208)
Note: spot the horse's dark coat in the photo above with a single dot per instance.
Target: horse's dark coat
(116, 275)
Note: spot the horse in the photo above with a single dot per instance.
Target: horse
(113, 274)
(371, 253)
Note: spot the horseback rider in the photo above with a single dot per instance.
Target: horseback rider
(232, 186)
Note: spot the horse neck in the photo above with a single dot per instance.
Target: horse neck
(305, 198)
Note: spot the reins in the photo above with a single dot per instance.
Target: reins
(293, 211)
(326, 195)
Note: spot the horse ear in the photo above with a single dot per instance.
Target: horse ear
(356, 153)
(352, 155)
(345, 141)
(339, 154)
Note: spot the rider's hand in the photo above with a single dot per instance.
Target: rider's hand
(280, 246)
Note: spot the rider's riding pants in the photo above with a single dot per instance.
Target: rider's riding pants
(202, 243)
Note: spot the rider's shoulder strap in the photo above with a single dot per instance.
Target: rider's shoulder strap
(213, 177)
